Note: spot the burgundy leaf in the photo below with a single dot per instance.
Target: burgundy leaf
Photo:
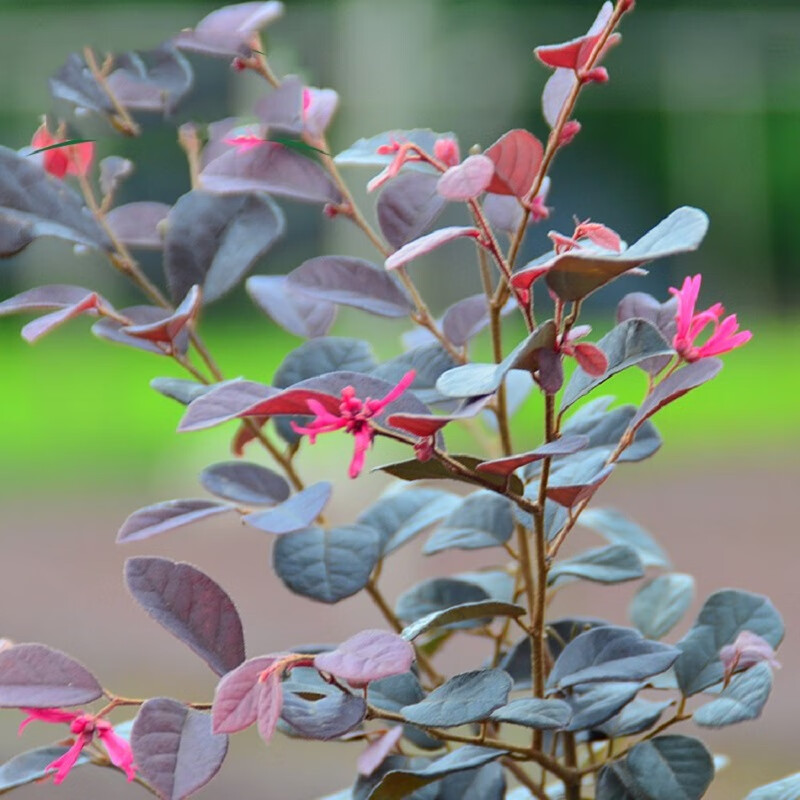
(466, 180)
(174, 748)
(44, 298)
(294, 311)
(574, 54)
(246, 483)
(368, 656)
(591, 358)
(570, 495)
(270, 703)
(191, 606)
(408, 206)
(272, 168)
(282, 108)
(560, 447)
(223, 403)
(112, 330)
(298, 512)
(235, 704)
(676, 385)
(425, 244)
(227, 31)
(425, 425)
(517, 156)
(167, 516)
(36, 676)
(351, 282)
(551, 370)
(371, 758)
(43, 325)
(137, 224)
(168, 329)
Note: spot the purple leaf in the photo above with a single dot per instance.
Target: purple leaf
(371, 758)
(351, 282)
(113, 170)
(217, 132)
(33, 204)
(223, 403)
(111, 330)
(241, 482)
(675, 386)
(175, 750)
(190, 606)
(368, 656)
(571, 494)
(330, 717)
(137, 224)
(180, 389)
(465, 181)
(167, 516)
(269, 705)
(517, 156)
(235, 704)
(294, 311)
(560, 447)
(551, 370)
(215, 240)
(282, 108)
(320, 108)
(36, 676)
(272, 168)
(558, 87)
(228, 31)
(43, 325)
(44, 298)
(75, 84)
(425, 244)
(408, 206)
(169, 329)
(298, 512)
(660, 315)
(155, 80)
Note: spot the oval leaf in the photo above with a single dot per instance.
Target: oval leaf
(368, 656)
(425, 244)
(297, 313)
(167, 516)
(241, 482)
(298, 512)
(517, 156)
(408, 206)
(465, 181)
(660, 605)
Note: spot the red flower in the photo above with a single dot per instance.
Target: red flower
(84, 727)
(354, 417)
(72, 159)
(726, 335)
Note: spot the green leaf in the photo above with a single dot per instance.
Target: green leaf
(660, 604)
(67, 143)
(743, 699)
(618, 529)
(532, 712)
(787, 788)
(484, 519)
(432, 470)
(613, 564)
(483, 609)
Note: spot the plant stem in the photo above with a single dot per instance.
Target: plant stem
(572, 786)
(121, 119)
(519, 773)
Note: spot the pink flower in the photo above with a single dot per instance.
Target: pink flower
(354, 417)
(747, 650)
(84, 727)
(725, 336)
(72, 159)
(446, 150)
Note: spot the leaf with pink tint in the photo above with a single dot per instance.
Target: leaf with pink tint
(368, 656)
(517, 156)
(676, 385)
(560, 447)
(425, 244)
(167, 516)
(169, 328)
(44, 298)
(282, 108)
(175, 750)
(272, 168)
(34, 330)
(370, 759)
(556, 91)
(295, 513)
(269, 705)
(424, 425)
(571, 494)
(223, 403)
(37, 676)
(351, 282)
(227, 31)
(235, 705)
(112, 330)
(191, 607)
(137, 225)
(591, 358)
(466, 180)
(293, 310)
(574, 54)
(747, 650)
(319, 106)
(408, 206)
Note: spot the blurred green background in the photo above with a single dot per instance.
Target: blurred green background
(703, 108)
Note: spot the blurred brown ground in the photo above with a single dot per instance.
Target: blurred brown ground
(725, 521)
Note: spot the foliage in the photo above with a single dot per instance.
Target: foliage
(575, 684)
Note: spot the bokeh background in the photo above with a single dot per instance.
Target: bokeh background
(703, 109)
